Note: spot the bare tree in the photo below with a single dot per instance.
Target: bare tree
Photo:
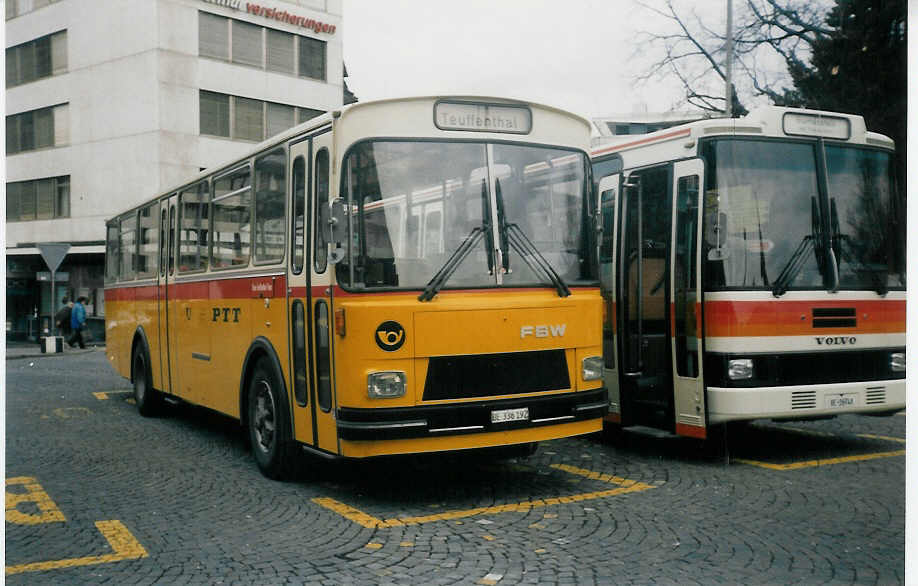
(769, 37)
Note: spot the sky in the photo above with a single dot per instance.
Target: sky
(578, 55)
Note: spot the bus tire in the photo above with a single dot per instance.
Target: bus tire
(268, 423)
(148, 399)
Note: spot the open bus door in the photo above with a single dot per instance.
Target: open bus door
(688, 384)
(608, 212)
(646, 382)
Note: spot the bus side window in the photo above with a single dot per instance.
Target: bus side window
(192, 246)
(321, 242)
(163, 241)
(270, 201)
(171, 250)
(298, 218)
(128, 246)
(112, 254)
(298, 334)
(323, 356)
(685, 269)
(147, 241)
(232, 219)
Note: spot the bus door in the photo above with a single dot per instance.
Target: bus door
(608, 210)
(169, 303)
(309, 295)
(643, 304)
(688, 387)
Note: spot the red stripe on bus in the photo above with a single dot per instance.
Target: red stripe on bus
(691, 431)
(617, 147)
(229, 288)
(795, 318)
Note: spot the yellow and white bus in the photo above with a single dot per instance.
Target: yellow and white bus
(401, 276)
(752, 268)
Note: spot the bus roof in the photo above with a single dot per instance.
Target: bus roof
(769, 121)
(342, 113)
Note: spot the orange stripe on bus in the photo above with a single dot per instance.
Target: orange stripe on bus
(795, 318)
(617, 147)
(691, 431)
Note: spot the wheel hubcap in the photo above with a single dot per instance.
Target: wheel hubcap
(263, 417)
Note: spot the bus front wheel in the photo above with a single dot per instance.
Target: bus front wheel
(268, 423)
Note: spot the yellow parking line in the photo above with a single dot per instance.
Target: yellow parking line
(825, 462)
(34, 493)
(361, 518)
(123, 544)
(882, 437)
(103, 395)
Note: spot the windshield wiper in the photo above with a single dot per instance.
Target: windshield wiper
(793, 266)
(451, 264)
(513, 235)
(531, 255)
(462, 251)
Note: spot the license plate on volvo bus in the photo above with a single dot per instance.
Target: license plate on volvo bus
(841, 400)
(504, 415)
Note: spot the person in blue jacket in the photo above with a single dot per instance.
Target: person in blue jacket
(77, 323)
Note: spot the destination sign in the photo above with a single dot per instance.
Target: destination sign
(817, 125)
(478, 117)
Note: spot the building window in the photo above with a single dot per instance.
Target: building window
(215, 114)
(247, 119)
(16, 8)
(238, 41)
(247, 44)
(39, 199)
(281, 52)
(37, 129)
(43, 57)
(312, 58)
(304, 114)
(213, 36)
(279, 118)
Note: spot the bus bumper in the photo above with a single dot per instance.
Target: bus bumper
(805, 401)
(428, 428)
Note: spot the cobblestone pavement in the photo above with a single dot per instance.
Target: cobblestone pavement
(97, 494)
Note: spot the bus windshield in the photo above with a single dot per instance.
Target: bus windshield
(414, 204)
(768, 227)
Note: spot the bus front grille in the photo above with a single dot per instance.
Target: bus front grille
(489, 375)
(803, 400)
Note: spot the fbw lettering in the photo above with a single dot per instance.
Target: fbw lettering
(543, 331)
(225, 312)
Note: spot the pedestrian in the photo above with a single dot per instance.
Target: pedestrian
(77, 323)
(62, 318)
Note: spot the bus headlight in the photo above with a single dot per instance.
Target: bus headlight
(386, 385)
(739, 368)
(897, 361)
(592, 368)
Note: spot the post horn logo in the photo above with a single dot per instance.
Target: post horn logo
(390, 335)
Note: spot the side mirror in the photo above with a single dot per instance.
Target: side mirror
(336, 231)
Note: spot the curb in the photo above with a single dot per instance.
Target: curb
(46, 355)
